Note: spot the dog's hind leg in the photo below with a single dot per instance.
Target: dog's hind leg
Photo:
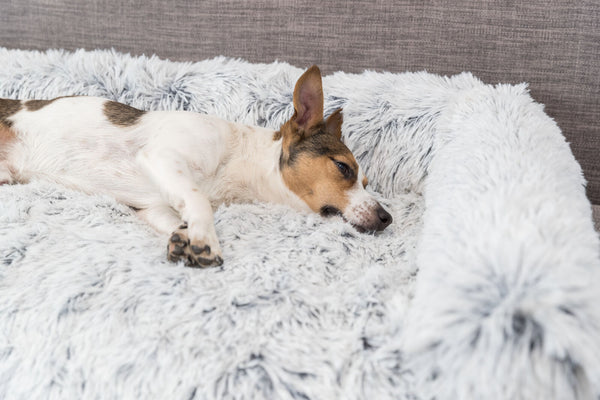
(7, 137)
(195, 240)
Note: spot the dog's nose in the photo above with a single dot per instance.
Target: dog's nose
(384, 218)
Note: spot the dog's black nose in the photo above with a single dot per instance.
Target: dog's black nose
(384, 218)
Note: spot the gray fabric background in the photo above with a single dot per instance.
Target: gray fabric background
(554, 45)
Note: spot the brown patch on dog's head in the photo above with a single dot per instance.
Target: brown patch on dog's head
(122, 114)
(8, 107)
(322, 181)
(318, 167)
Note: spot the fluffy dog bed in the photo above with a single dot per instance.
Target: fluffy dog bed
(485, 285)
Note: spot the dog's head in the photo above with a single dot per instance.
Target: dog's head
(318, 167)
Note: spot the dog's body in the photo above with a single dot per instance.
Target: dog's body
(174, 166)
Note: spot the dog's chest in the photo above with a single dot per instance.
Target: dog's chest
(237, 179)
(248, 170)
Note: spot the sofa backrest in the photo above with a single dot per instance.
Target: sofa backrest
(552, 44)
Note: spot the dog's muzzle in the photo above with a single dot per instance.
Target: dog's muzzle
(379, 220)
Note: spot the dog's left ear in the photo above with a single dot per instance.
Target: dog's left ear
(333, 125)
(308, 99)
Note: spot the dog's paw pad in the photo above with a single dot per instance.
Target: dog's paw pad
(205, 262)
(178, 250)
(175, 238)
(200, 250)
(194, 254)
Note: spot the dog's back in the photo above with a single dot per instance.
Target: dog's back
(94, 145)
(7, 136)
(76, 142)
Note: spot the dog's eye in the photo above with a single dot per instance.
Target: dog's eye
(344, 169)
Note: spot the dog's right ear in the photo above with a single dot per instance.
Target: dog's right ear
(333, 125)
(308, 101)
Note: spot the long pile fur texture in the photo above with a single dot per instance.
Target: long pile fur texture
(485, 286)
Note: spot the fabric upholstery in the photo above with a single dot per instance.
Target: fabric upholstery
(553, 45)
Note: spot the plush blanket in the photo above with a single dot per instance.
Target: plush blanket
(485, 286)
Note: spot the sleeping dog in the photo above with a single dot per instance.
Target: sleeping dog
(173, 167)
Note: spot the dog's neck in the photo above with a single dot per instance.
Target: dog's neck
(252, 169)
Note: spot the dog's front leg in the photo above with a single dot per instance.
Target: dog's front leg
(195, 241)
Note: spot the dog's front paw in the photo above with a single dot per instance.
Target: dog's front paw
(195, 253)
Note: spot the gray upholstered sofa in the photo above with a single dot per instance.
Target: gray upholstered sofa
(552, 45)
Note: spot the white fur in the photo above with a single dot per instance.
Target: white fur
(306, 307)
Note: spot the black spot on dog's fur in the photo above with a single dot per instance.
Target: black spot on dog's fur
(122, 114)
(8, 107)
(34, 105)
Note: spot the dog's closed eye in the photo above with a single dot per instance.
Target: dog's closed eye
(345, 170)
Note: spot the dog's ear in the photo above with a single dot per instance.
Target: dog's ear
(308, 100)
(333, 125)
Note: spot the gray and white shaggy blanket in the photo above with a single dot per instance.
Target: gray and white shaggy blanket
(484, 287)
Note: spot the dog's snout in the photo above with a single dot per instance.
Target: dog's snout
(385, 218)
(366, 214)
